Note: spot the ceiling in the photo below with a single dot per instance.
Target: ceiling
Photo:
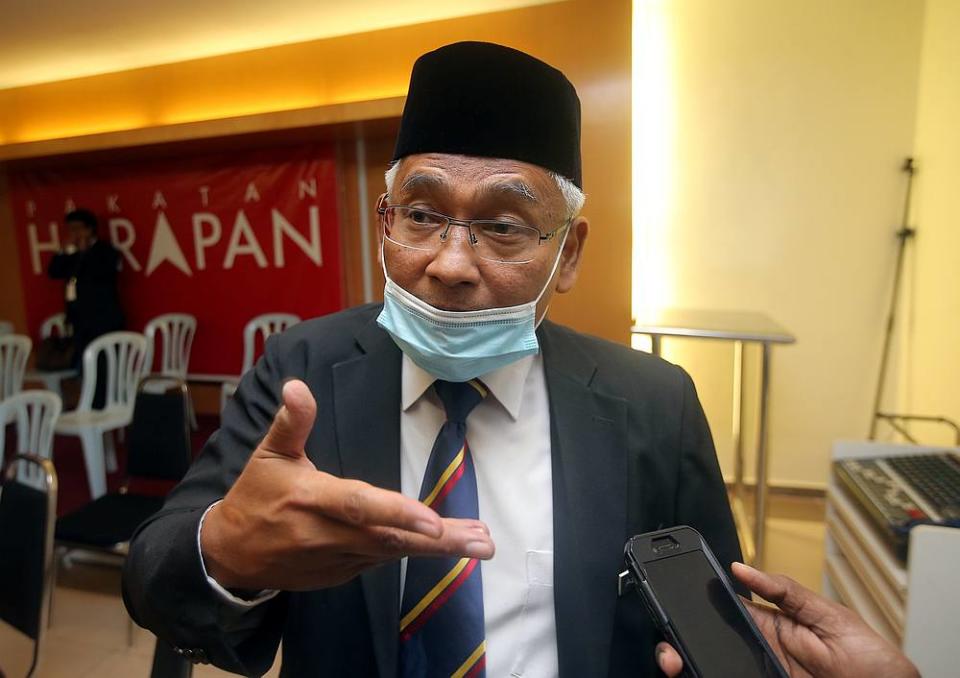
(49, 40)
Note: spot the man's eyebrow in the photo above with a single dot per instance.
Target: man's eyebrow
(514, 188)
(422, 180)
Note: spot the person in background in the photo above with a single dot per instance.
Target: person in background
(89, 266)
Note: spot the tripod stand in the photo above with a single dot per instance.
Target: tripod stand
(904, 235)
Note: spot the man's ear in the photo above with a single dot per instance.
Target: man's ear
(381, 202)
(572, 254)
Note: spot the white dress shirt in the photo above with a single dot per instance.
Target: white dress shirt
(509, 435)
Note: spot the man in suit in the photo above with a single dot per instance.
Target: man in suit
(301, 520)
(89, 265)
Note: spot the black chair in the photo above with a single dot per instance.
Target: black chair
(158, 448)
(27, 514)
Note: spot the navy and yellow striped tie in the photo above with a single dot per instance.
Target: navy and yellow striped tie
(441, 618)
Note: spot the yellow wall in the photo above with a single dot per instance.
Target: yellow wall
(789, 123)
(930, 323)
(587, 39)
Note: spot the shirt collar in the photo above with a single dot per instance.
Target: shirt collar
(505, 383)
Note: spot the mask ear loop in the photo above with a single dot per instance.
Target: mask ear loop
(553, 271)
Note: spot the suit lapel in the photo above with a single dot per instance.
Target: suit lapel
(588, 440)
(368, 439)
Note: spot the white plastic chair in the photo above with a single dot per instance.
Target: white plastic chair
(261, 325)
(126, 354)
(176, 332)
(6, 327)
(35, 413)
(14, 350)
(55, 324)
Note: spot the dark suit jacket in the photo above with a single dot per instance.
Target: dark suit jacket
(96, 309)
(631, 453)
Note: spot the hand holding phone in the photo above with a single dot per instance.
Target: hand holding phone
(813, 637)
(692, 602)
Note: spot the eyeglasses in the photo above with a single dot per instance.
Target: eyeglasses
(501, 241)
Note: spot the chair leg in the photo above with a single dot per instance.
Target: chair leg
(168, 664)
(110, 451)
(36, 658)
(52, 383)
(58, 552)
(192, 412)
(92, 441)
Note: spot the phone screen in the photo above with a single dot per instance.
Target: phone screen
(706, 619)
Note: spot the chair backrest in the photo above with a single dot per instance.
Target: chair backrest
(35, 415)
(55, 324)
(263, 326)
(14, 350)
(27, 517)
(125, 357)
(6, 327)
(159, 434)
(176, 332)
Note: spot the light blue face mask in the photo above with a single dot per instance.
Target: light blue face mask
(460, 345)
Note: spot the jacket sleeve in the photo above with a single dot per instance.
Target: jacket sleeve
(702, 499)
(164, 585)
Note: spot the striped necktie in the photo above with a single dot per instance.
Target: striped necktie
(441, 618)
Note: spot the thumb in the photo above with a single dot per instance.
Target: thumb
(288, 433)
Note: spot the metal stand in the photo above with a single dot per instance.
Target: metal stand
(904, 235)
(739, 328)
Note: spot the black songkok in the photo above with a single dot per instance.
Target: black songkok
(482, 99)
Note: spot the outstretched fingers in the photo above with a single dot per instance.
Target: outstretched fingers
(461, 538)
(360, 504)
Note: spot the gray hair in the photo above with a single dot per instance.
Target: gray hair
(573, 197)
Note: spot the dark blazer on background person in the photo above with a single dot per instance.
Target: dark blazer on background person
(96, 309)
(631, 452)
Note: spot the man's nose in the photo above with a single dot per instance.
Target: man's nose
(455, 260)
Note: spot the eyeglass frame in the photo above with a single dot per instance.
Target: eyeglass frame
(466, 223)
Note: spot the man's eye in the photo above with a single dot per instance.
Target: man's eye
(421, 218)
(502, 229)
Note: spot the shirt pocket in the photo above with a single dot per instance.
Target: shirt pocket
(536, 652)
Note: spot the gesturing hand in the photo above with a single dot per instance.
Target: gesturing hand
(286, 525)
(812, 636)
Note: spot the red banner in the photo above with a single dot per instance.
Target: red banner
(222, 237)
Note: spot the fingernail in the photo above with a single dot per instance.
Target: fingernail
(659, 656)
(428, 528)
(479, 549)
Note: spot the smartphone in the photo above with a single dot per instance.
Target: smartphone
(692, 602)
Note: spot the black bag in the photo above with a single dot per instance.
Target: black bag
(55, 353)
